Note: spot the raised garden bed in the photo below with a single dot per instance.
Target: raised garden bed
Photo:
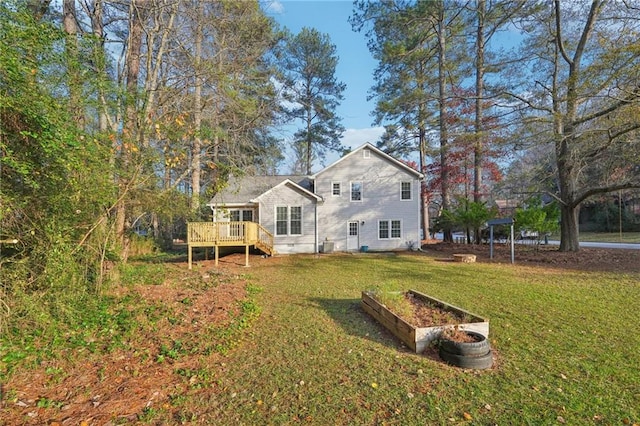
(419, 336)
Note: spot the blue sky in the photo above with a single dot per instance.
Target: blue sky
(355, 66)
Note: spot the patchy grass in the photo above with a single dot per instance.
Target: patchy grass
(564, 349)
(299, 348)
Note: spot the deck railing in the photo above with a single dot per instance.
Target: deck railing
(216, 234)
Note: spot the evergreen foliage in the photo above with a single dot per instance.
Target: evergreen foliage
(309, 65)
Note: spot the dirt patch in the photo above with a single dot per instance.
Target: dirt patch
(427, 315)
(587, 259)
(122, 385)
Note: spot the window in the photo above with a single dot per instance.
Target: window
(246, 215)
(356, 191)
(395, 229)
(281, 220)
(288, 220)
(366, 153)
(389, 229)
(295, 226)
(383, 229)
(336, 190)
(405, 190)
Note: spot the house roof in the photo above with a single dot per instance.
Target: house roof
(299, 188)
(379, 152)
(241, 190)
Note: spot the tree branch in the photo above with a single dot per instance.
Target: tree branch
(606, 189)
(613, 107)
(559, 41)
(529, 103)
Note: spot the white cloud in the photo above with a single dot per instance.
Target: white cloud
(274, 7)
(353, 138)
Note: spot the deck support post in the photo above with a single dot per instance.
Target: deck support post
(217, 254)
(190, 255)
(246, 255)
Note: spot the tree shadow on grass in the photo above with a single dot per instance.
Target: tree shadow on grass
(349, 315)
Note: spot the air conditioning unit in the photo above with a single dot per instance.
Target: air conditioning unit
(327, 246)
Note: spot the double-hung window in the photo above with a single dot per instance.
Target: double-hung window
(356, 191)
(295, 220)
(389, 229)
(336, 189)
(288, 220)
(405, 190)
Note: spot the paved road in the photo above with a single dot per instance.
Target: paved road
(630, 246)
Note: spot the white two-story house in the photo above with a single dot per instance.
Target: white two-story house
(366, 200)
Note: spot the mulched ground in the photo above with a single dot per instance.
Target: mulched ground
(117, 388)
(587, 259)
(83, 389)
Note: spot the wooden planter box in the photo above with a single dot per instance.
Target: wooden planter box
(418, 338)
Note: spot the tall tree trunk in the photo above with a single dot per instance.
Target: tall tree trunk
(70, 23)
(196, 156)
(424, 198)
(479, 105)
(308, 124)
(566, 136)
(442, 106)
(422, 148)
(479, 134)
(99, 60)
(130, 126)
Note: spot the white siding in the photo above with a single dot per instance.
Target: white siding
(381, 200)
(285, 195)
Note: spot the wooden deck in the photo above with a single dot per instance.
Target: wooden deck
(228, 234)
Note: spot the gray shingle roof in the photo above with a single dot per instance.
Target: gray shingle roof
(240, 190)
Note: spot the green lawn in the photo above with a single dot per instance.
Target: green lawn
(566, 348)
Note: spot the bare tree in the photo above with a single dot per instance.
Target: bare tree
(586, 95)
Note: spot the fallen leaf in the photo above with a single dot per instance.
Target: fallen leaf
(374, 385)
(561, 420)
(467, 416)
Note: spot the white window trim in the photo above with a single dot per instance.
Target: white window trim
(366, 153)
(410, 191)
(275, 221)
(390, 229)
(339, 188)
(351, 191)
